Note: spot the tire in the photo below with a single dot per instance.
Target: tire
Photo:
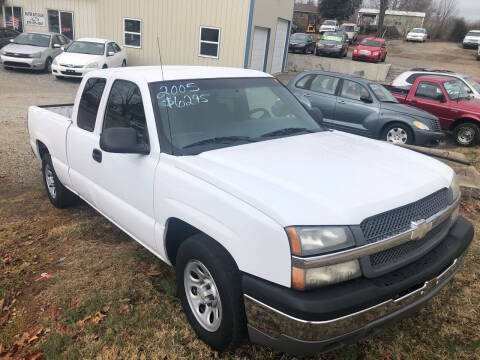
(48, 65)
(59, 195)
(385, 58)
(59, 77)
(124, 63)
(467, 134)
(397, 133)
(228, 328)
(104, 66)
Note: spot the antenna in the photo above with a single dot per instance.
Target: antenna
(160, 56)
(163, 78)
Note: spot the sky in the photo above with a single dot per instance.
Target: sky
(470, 9)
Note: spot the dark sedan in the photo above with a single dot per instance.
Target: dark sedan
(6, 35)
(302, 43)
(333, 44)
(366, 108)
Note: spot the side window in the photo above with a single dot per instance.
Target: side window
(125, 109)
(325, 84)
(64, 40)
(353, 90)
(56, 40)
(428, 90)
(89, 103)
(411, 79)
(110, 48)
(302, 83)
(116, 48)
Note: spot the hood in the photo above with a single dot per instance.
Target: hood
(326, 178)
(23, 49)
(472, 38)
(77, 59)
(407, 110)
(370, 48)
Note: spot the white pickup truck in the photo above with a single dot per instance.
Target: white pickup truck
(305, 238)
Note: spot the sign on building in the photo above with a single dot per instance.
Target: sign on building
(34, 18)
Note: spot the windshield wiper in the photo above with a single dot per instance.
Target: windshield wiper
(287, 131)
(221, 140)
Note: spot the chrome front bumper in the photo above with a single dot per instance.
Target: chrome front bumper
(22, 63)
(271, 327)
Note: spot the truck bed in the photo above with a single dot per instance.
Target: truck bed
(61, 109)
(400, 93)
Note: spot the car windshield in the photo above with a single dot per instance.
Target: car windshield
(474, 33)
(332, 37)
(42, 40)
(301, 37)
(420, 31)
(349, 28)
(86, 47)
(330, 22)
(371, 43)
(473, 83)
(382, 94)
(202, 115)
(456, 89)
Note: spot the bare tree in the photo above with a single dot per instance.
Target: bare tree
(381, 17)
(442, 13)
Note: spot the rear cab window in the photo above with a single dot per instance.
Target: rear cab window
(89, 103)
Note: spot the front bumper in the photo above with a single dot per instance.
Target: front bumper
(322, 320)
(63, 71)
(365, 57)
(297, 48)
(428, 138)
(415, 38)
(470, 44)
(328, 51)
(22, 63)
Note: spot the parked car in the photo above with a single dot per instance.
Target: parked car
(329, 25)
(450, 100)
(6, 35)
(472, 39)
(333, 43)
(301, 42)
(351, 30)
(275, 225)
(407, 78)
(366, 108)
(87, 54)
(417, 34)
(33, 50)
(371, 49)
(478, 54)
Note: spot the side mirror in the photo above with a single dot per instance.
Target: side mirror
(122, 141)
(110, 53)
(316, 114)
(442, 98)
(366, 99)
(12, 40)
(56, 46)
(62, 48)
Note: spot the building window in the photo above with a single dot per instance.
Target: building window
(209, 42)
(61, 22)
(13, 18)
(132, 33)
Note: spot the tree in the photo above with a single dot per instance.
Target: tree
(381, 16)
(459, 30)
(442, 14)
(338, 9)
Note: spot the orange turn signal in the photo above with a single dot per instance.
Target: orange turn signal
(294, 241)
(298, 279)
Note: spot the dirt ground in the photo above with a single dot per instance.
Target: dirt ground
(108, 298)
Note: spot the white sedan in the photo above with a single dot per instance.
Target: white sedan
(85, 55)
(417, 34)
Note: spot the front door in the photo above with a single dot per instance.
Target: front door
(430, 97)
(322, 93)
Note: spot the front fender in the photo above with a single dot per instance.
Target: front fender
(389, 117)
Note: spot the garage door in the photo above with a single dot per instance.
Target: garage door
(279, 49)
(259, 48)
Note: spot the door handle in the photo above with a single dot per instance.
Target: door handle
(97, 155)
(341, 101)
(307, 95)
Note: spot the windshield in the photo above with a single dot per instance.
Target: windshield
(330, 22)
(33, 39)
(420, 31)
(349, 28)
(301, 37)
(473, 83)
(456, 89)
(474, 33)
(86, 47)
(382, 94)
(371, 43)
(202, 115)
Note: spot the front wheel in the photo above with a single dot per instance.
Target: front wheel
(48, 66)
(467, 134)
(397, 134)
(208, 284)
(124, 63)
(59, 195)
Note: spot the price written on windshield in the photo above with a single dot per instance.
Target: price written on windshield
(181, 96)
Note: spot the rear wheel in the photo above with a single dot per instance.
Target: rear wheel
(208, 284)
(467, 134)
(58, 194)
(124, 63)
(397, 133)
(48, 66)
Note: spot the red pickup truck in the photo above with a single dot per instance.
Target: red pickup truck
(448, 99)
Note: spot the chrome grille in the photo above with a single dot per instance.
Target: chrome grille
(23, 56)
(393, 222)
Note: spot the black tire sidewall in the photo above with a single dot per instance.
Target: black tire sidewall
(227, 279)
(398, 125)
(64, 197)
(474, 127)
(48, 66)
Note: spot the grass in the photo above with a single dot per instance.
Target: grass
(100, 302)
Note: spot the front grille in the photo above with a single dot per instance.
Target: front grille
(434, 125)
(394, 222)
(24, 56)
(16, 64)
(71, 66)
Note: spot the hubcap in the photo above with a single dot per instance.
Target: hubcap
(397, 136)
(50, 181)
(465, 136)
(202, 295)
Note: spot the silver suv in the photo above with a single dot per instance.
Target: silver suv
(33, 50)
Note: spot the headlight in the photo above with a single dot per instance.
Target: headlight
(455, 188)
(3, 52)
(92, 65)
(319, 240)
(37, 55)
(420, 125)
(304, 279)
(55, 62)
(375, 53)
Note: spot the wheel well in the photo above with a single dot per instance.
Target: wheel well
(395, 122)
(177, 232)
(463, 121)
(42, 149)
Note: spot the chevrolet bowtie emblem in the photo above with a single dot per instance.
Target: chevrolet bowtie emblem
(420, 229)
